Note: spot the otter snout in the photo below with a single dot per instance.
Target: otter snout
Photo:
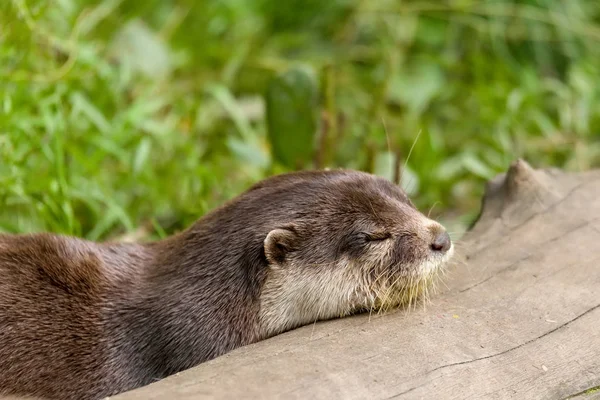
(441, 242)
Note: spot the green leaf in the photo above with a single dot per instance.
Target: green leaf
(140, 157)
(477, 167)
(248, 151)
(292, 116)
(417, 86)
(137, 46)
(409, 181)
(384, 167)
(83, 106)
(233, 109)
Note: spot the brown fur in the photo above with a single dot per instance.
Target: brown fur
(88, 320)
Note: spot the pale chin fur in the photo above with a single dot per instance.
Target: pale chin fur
(435, 263)
(293, 297)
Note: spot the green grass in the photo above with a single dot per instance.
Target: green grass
(116, 115)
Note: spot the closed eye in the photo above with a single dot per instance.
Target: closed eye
(378, 236)
(358, 242)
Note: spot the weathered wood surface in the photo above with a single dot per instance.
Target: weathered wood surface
(518, 319)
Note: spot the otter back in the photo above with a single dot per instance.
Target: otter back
(53, 295)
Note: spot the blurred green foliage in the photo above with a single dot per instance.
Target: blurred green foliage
(122, 114)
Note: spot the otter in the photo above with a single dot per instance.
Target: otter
(82, 319)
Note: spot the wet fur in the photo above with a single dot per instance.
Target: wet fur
(88, 320)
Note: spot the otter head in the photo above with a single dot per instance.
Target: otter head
(340, 242)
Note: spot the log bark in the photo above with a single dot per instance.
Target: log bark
(518, 317)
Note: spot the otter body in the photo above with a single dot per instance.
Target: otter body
(80, 319)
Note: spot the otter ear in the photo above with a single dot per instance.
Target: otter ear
(279, 243)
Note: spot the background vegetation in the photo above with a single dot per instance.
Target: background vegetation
(122, 114)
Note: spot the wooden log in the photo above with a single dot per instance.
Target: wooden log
(518, 317)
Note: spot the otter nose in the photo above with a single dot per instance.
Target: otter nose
(441, 242)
